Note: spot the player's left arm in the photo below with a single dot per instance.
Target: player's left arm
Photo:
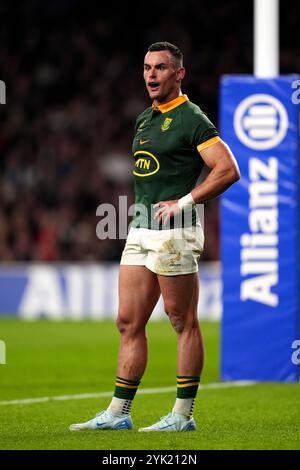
(224, 172)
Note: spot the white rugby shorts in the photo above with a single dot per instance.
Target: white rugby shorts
(167, 252)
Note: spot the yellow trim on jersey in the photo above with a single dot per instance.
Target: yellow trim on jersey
(187, 385)
(165, 107)
(208, 143)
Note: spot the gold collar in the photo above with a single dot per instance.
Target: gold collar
(165, 107)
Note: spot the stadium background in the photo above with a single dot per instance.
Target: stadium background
(73, 75)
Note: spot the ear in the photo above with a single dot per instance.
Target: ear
(180, 74)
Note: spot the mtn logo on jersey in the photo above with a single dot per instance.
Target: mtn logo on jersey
(166, 124)
(146, 164)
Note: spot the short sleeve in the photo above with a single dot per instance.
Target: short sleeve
(199, 131)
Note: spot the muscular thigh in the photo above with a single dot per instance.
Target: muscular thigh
(138, 293)
(180, 293)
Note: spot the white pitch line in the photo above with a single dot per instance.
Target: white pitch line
(143, 391)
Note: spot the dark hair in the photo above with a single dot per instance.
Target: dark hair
(167, 46)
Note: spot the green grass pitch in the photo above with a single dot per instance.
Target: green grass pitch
(47, 359)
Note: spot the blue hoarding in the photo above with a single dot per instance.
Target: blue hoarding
(84, 291)
(260, 229)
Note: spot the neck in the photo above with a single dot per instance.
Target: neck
(168, 98)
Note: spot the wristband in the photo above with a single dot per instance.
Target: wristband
(186, 201)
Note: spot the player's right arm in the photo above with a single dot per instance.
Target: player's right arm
(224, 172)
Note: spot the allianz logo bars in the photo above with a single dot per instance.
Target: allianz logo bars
(260, 121)
(260, 230)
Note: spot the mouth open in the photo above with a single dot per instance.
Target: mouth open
(154, 86)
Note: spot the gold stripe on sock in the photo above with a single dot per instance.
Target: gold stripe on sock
(187, 378)
(125, 385)
(190, 384)
(123, 381)
(129, 382)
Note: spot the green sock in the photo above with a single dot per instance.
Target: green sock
(125, 391)
(187, 387)
(125, 388)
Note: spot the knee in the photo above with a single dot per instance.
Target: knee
(176, 316)
(180, 319)
(127, 326)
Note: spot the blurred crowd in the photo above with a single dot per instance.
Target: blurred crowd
(73, 74)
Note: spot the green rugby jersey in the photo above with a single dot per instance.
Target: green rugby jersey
(166, 146)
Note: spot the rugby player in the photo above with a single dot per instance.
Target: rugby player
(173, 141)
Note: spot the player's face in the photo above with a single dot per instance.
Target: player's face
(162, 76)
